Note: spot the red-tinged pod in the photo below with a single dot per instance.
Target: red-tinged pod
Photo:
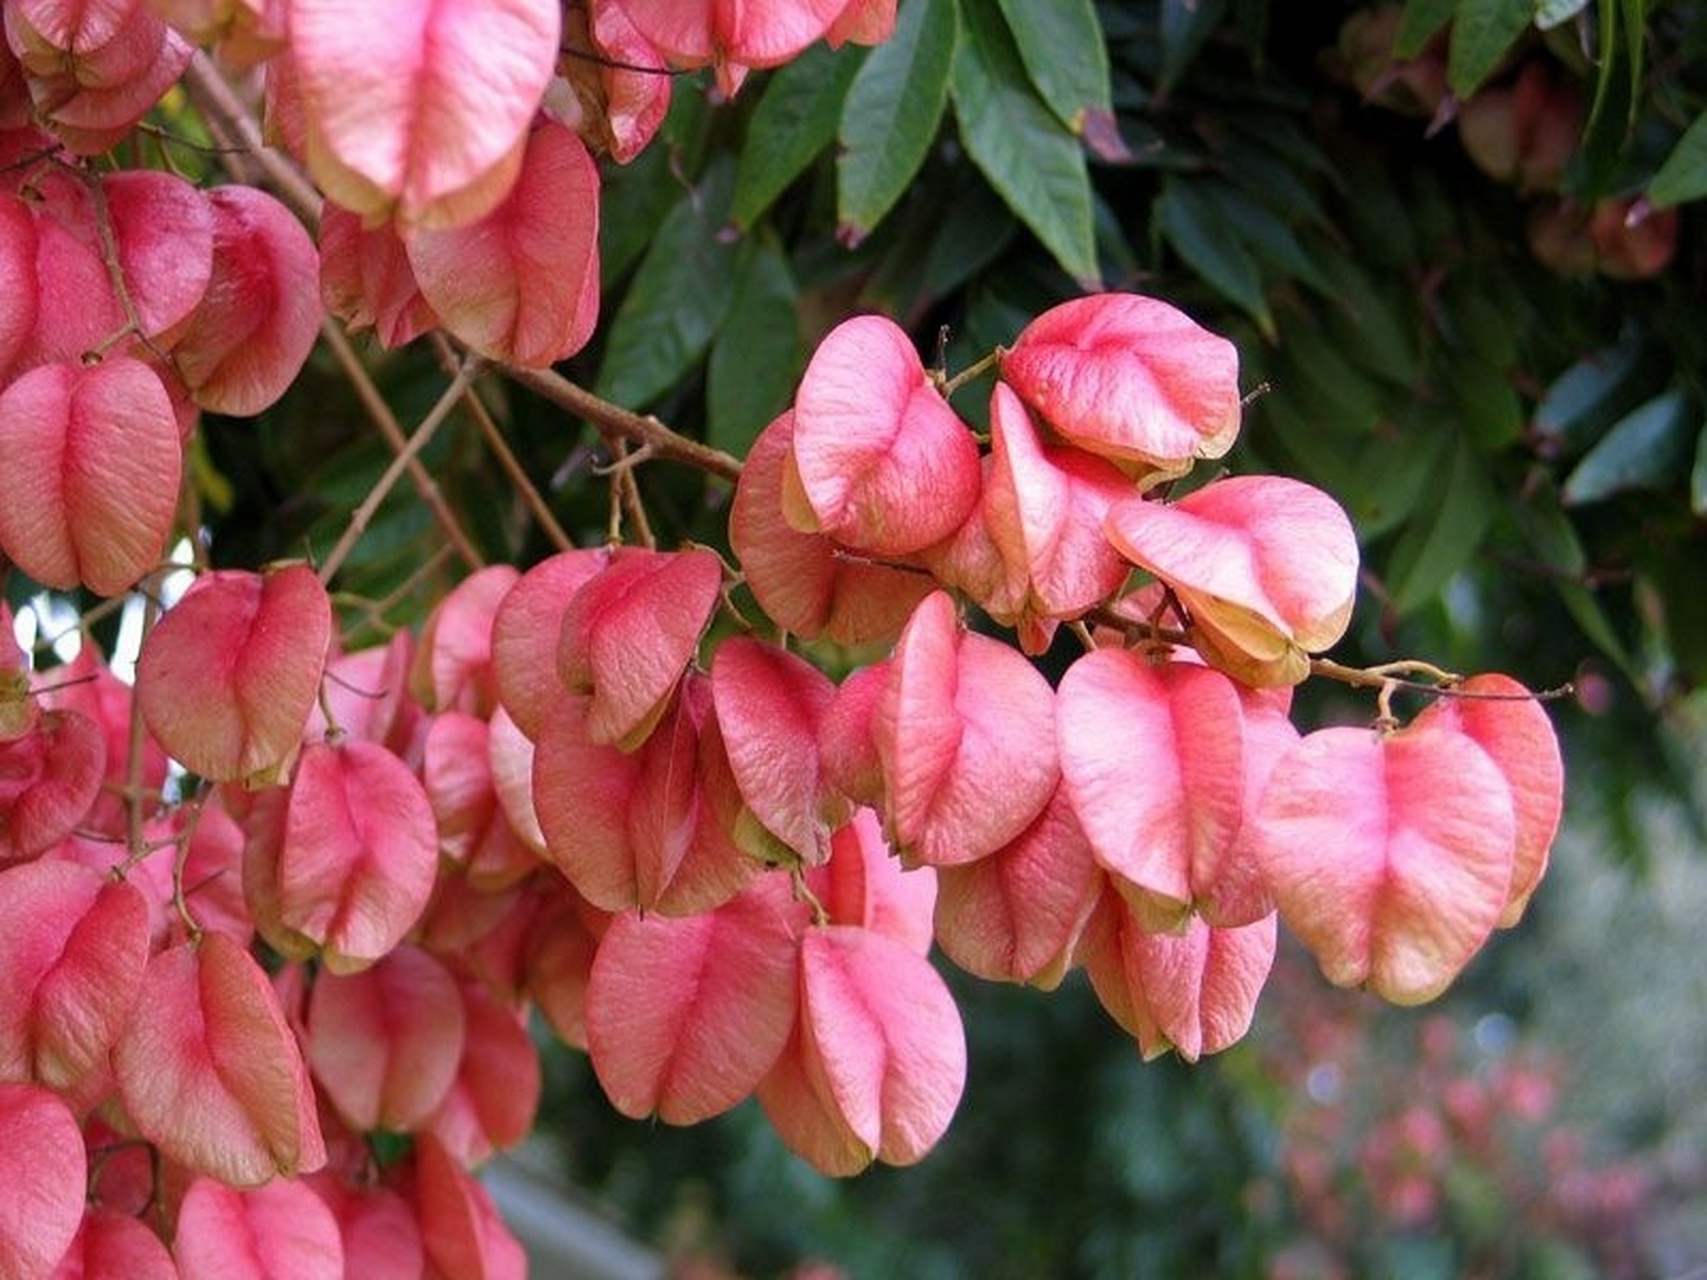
(1131, 378)
(462, 1231)
(419, 112)
(92, 459)
(357, 856)
(453, 661)
(1153, 760)
(770, 706)
(384, 1044)
(45, 1173)
(228, 678)
(280, 1229)
(209, 1071)
(366, 280)
(804, 581)
(1016, 916)
(729, 35)
(864, 885)
(377, 1226)
(685, 1016)
(260, 316)
(629, 633)
(492, 1101)
(966, 737)
(115, 1244)
(1390, 856)
(49, 779)
(526, 631)
(73, 946)
(881, 1055)
(1513, 729)
(521, 284)
(1193, 991)
(883, 464)
(1265, 566)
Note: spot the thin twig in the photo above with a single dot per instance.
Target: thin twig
(360, 517)
(511, 466)
(215, 98)
(380, 413)
(640, 428)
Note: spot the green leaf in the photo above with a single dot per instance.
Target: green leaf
(1061, 43)
(1486, 402)
(1555, 13)
(1482, 32)
(1034, 164)
(1210, 246)
(1447, 528)
(891, 114)
(1646, 449)
(1393, 470)
(1422, 21)
(1683, 176)
(1584, 400)
(1698, 476)
(1264, 231)
(758, 355)
(634, 200)
(678, 297)
(1370, 325)
(795, 120)
(1186, 24)
(1553, 539)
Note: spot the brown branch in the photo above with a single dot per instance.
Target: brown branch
(382, 417)
(360, 517)
(511, 466)
(215, 98)
(642, 429)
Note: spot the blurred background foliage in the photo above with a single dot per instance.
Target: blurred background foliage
(1460, 246)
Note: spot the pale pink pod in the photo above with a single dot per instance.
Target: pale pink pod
(420, 110)
(630, 631)
(366, 280)
(277, 1230)
(1389, 855)
(473, 830)
(685, 1016)
(966, 737)
(1517, 735)
(863, 22)
(521, 285)
(49, 778)
(562, 941)
(463, 1232)
(45, 1173)
(847, 735)
(92, 459)
(73, 946)
(491, 1103)
(209, 1071)
(1266, 567)
(632, 93)
(864, 885)
(259, 318)
(884, 465)
(1131, 378)
(881, 1047)
(730, 35)
(453, 661)
(1194, 991)
(377, 1226)
(525, 633)
(1044, 507)
(115, 1244)
(804, 581)
(1016, 916)
(385, 1043)
(228, 677)
(1152, 757)
(17, 263)
(770, 707)
(358, 854)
